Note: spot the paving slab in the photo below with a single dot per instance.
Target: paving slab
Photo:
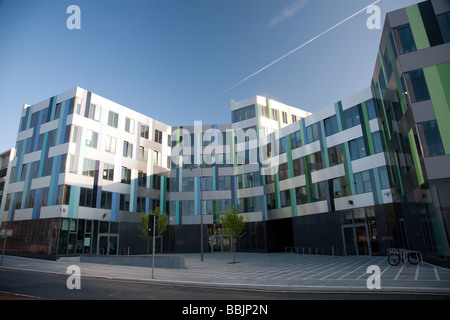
(268, 271)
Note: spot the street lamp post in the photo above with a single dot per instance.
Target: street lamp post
(201, 204)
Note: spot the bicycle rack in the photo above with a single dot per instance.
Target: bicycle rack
(403, 254)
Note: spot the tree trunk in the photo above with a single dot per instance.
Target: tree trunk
(234, 249)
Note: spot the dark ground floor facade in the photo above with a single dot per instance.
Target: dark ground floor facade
(362, 231)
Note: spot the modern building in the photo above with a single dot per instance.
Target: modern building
(366, 173)
(82, 171)
(4, 162)
(411, 83)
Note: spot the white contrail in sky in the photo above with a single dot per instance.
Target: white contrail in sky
(301, 46)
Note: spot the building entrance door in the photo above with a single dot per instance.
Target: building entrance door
(107, 244)
(356, 241)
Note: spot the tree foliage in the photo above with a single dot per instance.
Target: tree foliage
(234, 225)
(143, 224)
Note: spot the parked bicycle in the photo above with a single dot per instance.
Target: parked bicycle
(403, 255)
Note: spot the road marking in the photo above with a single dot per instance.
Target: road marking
(400, 271)
(436, 273)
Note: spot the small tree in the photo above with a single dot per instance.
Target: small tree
(143, 225)
(234, 225)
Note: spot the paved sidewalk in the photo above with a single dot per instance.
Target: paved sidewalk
(263, 271)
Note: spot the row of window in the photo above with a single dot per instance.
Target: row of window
(436, 27)
(113, 121)
(187, 207)
(249, 112)
(363, 183)
(92, 112)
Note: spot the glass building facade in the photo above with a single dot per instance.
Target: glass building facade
(364, 174)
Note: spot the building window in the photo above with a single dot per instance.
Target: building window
(86, 196)
(357, 148)
(110, 144)
(371, 109)
(94, 112)
(265, 111)
(318, 192)
(294, 118)
(351, 117)
(78, 103)
(243, 114)
(384, 177)
(158, 136)
(143, 153)
(44, 196)
(331, 126)
(108, 172)
(156, 182)
(63, 196)
(224, 205)
(285, 197)
(224, 183)
(339, 187)
(129, 125)
(187, 184)
(206, 183)
(313, 132)
(377, 142)
(315, 161)
(275, 114)
(140, 204)
(270, 200)
(187, 207)
(284, 117)
(283, 172)
(282, 145)
(106, 200)
(335, 155)
(404, 39)
(144, 131)
(91, 139)
(124, 202)
(89, 168)
(249, 204)
(363, 182)
(75, 134)
(301, 194)
(296, 139)
(113, 119)
(127, 149)
(299, 167)
(430, 138)
(444, 25)
(417, 86)
(57, 111)
(142, 179)
(157, 158)
(126, 175)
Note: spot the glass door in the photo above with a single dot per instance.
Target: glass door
(107, 244)
(355, 240)
(112, 249)
(349, 241)
(362, 240)
(102, 248)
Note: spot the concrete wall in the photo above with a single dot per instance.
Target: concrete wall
(171, 262)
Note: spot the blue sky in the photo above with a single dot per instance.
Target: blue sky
(179, 61)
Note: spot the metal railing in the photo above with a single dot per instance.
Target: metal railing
(304, 250)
